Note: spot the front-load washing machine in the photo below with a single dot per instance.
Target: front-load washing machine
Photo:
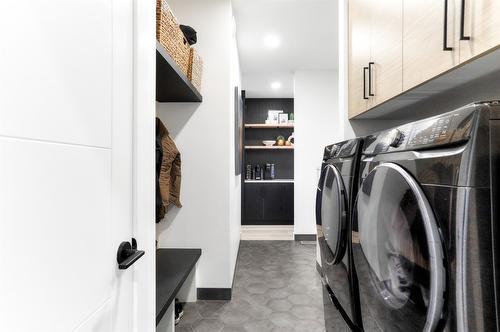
(427, 214)
(336, 192)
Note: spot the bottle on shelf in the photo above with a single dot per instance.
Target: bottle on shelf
(249, 172)
(270, 172)
(259, 172)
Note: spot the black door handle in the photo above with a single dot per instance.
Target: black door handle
(462, 23)
(445, 28)
(128, 254)
(370, 64)
(365, 69)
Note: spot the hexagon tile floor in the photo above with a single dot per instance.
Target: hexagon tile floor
(276, 288)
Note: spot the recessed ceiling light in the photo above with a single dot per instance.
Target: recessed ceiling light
(276, 85)
(272, 41)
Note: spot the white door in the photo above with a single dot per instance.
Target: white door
(66, 165)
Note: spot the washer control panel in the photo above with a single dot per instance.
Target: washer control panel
(432, 132)
(451, 127)
(397, 139)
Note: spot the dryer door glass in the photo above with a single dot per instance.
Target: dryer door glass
(333, 215)
(399, 255)
(318, 193)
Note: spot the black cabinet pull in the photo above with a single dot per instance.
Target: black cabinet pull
(370, 93)
(365, 69)
(462, 23)
(445, 28)
(128, 254)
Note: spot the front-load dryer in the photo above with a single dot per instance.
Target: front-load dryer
(427, 214)
(336, 192)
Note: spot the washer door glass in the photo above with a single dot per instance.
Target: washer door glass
(332, 214)
(399, 257)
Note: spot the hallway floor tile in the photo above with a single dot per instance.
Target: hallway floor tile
(276, 288)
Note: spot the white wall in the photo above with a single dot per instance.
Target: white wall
(343, 68)
(204, 134)
(234, 181)
(318, 122)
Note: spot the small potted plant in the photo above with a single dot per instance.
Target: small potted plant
(280, 141)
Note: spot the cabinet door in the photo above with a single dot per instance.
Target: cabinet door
(386, 50)
(482, 25)
(423, 39)
(359, 55)
(288, 202)
(273, 202)
(253, 203)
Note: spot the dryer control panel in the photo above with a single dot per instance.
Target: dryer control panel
(341, 150)
(449, 128)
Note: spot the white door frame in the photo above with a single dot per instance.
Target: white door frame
(144, 161)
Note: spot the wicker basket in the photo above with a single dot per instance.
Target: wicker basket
(195, 69)
(170, 36)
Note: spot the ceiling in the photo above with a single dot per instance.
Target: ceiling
(307, 34)
(258, 85)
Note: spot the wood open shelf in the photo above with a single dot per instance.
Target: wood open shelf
(263, 147)
(172, 85)
(263, 125)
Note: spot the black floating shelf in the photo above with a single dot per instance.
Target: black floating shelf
(172, 85)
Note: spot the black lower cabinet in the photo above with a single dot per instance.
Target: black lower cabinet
(288, 199)
(268, 204)
(254, 202)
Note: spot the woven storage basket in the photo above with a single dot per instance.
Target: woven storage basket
(195, 70)
(170, 36)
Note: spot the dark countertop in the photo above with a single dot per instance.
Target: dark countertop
(172, 268)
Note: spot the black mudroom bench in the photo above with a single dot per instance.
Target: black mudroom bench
(173, 266)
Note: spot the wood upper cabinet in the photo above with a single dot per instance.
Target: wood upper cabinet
(375, 53)
(396, 45)
(386, 50)
(427, 52)
(481, 23)
(359, 55)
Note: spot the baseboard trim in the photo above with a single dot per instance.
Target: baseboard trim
(236, 265)
(267, 233)
(214, 293)
(305, 237)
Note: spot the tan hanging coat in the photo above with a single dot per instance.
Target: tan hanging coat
(170, 172)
